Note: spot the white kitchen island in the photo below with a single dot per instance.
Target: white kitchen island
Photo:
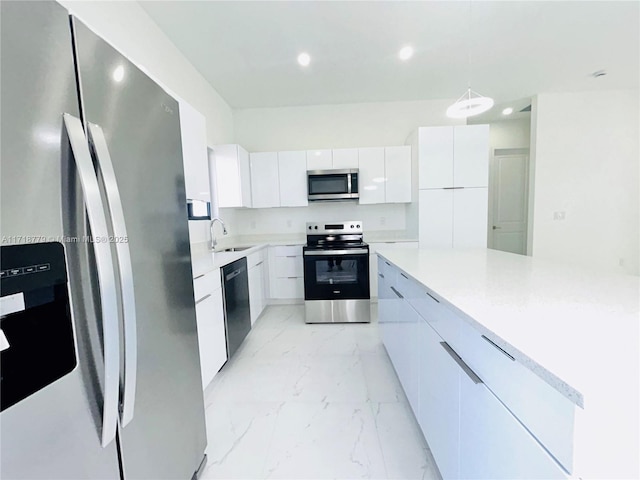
(555, 347)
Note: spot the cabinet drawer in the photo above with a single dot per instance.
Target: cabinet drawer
(429, 306)
(287, 250)
(206, 284)
(546, 413)
(288, 288)
(387, 270)
(255, 258)
(288, 267)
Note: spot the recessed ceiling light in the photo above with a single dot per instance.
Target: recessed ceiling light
(406, 52)
(507, 111)
(304, 59)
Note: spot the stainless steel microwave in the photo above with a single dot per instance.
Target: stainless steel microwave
(332, 184)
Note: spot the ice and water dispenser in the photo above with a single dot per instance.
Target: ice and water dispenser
(36, 331)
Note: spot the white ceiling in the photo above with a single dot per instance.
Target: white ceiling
(248, 50)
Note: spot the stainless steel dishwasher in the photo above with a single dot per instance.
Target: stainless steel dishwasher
(237, 318)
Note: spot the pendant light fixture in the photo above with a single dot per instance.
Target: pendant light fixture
(470, 103)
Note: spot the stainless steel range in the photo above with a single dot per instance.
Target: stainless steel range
(336, 273)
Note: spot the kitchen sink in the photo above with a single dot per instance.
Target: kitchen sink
(235, 249)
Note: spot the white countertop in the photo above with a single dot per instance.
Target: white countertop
(205, 261)
(578, 329)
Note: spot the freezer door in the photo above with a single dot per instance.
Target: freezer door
(55, 432)
(165, 439)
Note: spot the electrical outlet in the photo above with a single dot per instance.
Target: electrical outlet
(559, 216)
(253, 224)
(383, 220)
(289, 223)
(621, 262)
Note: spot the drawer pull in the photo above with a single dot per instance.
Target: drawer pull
(199, 276)
(387, 263)
(452, 188)
(432, 297)
(203, 298)
(403, 275)
(501, 349)
(397, 292)
(291, 256)
(292, 277)
(381, 275)
(259, 263)
(456, 358)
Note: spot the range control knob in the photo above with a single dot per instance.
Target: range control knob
(358, 226)
(351, 226)
(316, 227)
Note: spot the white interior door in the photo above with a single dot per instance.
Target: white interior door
(508, 219)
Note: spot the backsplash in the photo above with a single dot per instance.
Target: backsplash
(292, 220)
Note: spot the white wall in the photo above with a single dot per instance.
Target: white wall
(514, 133)
(334, 126)
(587, 163)
(126, 26)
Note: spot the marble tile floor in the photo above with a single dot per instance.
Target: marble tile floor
(304, 401)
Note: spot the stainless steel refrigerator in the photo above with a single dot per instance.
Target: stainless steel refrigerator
(100, 366)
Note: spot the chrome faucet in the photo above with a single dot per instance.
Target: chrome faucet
(213, 237)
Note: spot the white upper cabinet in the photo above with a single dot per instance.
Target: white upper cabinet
(233, 182)
(454, 156)
(471, 156)
(435, 147)
(385, 174)
(319, 159)
(371, 175)
(193, 132)
(265, 183)
(344, 158)
(292, 172)
(397, 167)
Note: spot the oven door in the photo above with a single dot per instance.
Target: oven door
(336, 274)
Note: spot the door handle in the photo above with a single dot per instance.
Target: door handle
(104, 266)
(470, 373)
(496, 228)
(397, 292)
(123, 255)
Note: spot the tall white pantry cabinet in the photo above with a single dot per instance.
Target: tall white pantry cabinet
(453, 165)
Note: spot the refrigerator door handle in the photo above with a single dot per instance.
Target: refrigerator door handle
(106, 276)
(114, 201)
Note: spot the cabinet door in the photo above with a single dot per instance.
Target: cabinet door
(470, 217)
(471, 156)
(265, 180)
(228, 181)
(408, 353)
(435, 218)
(345, 158)
(193, 131)
(292, 171)
(319, 160)
(397, 167)
(435, 157)
(245, 176)
(255, 293)
(493, 444)
(371, 176)
(439, 400)
(211, 336)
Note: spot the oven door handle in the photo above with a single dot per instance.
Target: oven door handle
(329, 253)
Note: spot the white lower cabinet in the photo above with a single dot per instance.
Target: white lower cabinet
(493, 444)
(439, 401)
(257, 300)
(212, 342)
(472, 432)
(286, 273)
